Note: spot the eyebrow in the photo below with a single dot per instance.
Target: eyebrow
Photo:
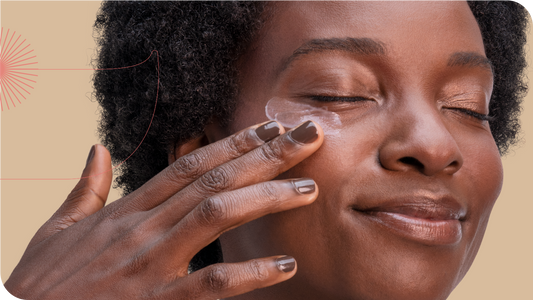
(367, 46)
(469, 59)
(361, 46)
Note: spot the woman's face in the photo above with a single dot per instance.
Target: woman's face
(408, 182)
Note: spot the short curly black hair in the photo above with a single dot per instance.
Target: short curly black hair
(198, 44)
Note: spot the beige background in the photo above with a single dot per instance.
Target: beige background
(50, 134)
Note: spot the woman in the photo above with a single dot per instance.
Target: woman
(406, 186)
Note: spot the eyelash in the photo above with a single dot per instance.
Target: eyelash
(467, 112)
(474, 114)
(337, 99)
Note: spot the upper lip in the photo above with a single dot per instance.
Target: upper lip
(422, 205)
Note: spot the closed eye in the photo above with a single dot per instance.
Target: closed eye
(338, 99)
(467, 112)
(474, 114)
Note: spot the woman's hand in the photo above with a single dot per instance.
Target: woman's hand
(140, 246)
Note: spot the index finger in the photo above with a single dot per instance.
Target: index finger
(190, 167)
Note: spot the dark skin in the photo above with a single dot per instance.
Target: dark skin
(407, 141)
(134, 248)
(405, 190)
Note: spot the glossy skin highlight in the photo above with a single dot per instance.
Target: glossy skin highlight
(407, 189)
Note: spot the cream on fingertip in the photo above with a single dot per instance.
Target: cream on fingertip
(291, 113)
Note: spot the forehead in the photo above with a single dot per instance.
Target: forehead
(428, 31)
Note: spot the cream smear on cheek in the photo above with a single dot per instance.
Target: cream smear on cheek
(291, 113)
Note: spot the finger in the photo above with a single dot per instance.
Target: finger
(90, 194)
(261, 164)
(190, 167)
(227, 280)
(225, 211)
(87, 197)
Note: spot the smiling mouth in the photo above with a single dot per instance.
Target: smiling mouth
(431, 225)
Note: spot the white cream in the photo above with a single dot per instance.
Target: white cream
(291, 113)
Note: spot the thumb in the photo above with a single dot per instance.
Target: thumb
(90, 194)
(87, 197)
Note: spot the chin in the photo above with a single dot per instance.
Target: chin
(355, 259)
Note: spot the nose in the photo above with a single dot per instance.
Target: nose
(418, 140)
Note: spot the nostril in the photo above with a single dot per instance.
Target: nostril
(412, 162)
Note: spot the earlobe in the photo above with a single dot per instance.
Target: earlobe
(212, 133)
(186, 148)
(215, 132)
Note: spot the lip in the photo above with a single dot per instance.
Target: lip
(427, 220)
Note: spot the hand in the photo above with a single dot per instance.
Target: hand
(140, 246)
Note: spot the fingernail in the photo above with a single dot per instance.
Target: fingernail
(267, 131)
(91, 155)
(304, 185)
(285, 263)
(305, 133)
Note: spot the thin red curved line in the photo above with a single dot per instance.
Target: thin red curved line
(153, 114)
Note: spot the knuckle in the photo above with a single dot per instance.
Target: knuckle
(118, 230)
(112, 213)
(189, 165)
(75, 194)
(70, 217)
(132, 240)
(134, 237)
(136, 265)
(213, 211)
(271, 192)
(108, 213)
(87, 192)
(215, 180)
(273, 151)
(258, 271)
(70, 212)
(128, 232)
(237, 145)
(217, 278)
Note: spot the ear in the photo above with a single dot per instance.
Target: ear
(186, 148)
(213, 132)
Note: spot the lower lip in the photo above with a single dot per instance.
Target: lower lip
(425, 231)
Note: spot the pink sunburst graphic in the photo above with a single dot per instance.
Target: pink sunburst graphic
(14, 56)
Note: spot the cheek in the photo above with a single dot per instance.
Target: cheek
(484, 173)
(247, 113)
